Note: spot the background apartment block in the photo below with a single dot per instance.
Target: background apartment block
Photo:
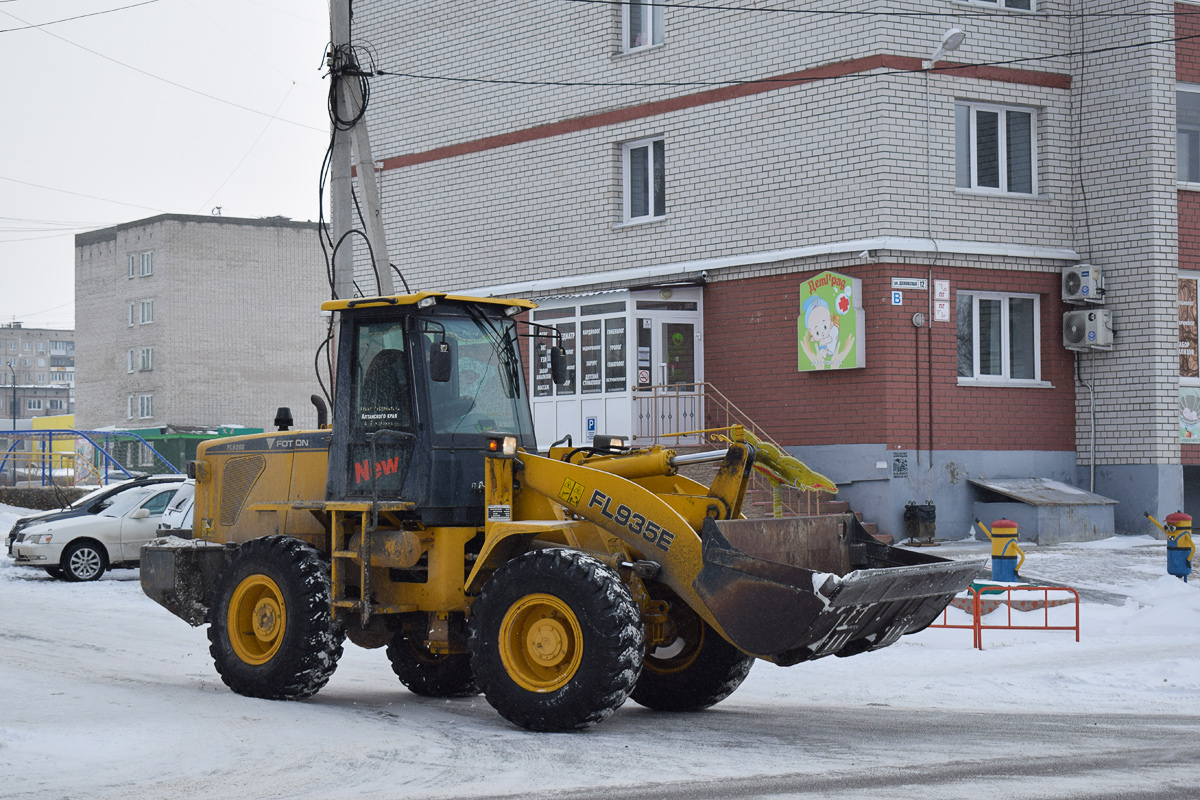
(40, 364)
(198, 321)
(732, 155)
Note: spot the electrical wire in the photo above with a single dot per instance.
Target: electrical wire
(167, 81)
(966, 12)
(949, 68)
(68, 19)
(78, 194)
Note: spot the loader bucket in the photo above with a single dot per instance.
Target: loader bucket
(793, 589)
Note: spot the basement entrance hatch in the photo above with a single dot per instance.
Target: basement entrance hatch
(1039, 492)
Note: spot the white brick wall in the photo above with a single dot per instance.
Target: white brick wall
(236, 321)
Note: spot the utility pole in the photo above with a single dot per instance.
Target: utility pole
(349, 100)
(13, 409)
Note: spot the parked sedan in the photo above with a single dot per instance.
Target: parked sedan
(177, 519)
(82, 548)
(91, 503)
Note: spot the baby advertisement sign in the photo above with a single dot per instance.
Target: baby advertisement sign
(830, 326)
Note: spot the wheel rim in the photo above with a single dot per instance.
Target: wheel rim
(257, 619)
(541, 643)
(85, 563)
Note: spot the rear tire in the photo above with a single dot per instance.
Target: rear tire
(270, 629)
(83, 561)
(556, 640)
(430, 674)
(698, 670)
(54, 572)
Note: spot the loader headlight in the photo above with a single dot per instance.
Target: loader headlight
(502, 446)
(427, 302)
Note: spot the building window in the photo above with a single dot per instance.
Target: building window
(645, 180)
(26, 360)
(34, 404)
(147, 264)
(41, 377)
(41, 362)
(129, 362)
(1187, 133)
(147, 313)
(55, 405)
(145, 406)
(133, 313)
(41, 347)
(26, 347)
(147, 359)
(133, 265)
(129, 408)
(643, 21)
(996, 149)
(12, 345)
(999, 337)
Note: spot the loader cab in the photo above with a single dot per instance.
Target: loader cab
(421, 381)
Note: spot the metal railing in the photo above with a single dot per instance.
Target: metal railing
(983, 600)
(698, 415)
(91, 457)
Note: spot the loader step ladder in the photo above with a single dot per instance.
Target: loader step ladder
(346, 563)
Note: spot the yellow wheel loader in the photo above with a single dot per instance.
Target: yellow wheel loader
(423, 520)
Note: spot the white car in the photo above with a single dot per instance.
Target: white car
(82, 548)
(178, 516)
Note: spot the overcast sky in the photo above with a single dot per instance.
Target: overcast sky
(212, 103)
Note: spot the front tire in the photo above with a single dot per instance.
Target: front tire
(270, 629)
(697, 670)
(431, 674)
(83, 561)
(556, 640)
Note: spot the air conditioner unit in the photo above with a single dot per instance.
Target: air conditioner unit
(1089, 329)
(1083, 283)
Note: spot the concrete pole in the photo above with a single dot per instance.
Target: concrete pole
(340, 186)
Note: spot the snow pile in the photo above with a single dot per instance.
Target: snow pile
(108, 695)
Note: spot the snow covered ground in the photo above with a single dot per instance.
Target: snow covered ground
(105, 694)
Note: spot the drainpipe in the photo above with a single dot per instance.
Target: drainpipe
(1092, 422)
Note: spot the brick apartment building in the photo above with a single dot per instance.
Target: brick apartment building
(198, 321)
(39, 364)
(675, 212)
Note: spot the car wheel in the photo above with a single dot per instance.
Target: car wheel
(54, 572)
(83, 561)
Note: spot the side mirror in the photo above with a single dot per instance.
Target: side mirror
(141, 513)
(439, 362)
(558, 365)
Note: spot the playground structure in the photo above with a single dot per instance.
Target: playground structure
(65, 457)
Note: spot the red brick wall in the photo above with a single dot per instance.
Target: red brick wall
(750, 349)
(1187, 52)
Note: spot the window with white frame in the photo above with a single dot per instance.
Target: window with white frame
(147, 311)
(999, 338)
(129, 408)
(129, 362)
(146, 362)
(26, 346)
(1016, 5)
(996, 148)
(56, 405)
(147, 264)
(133, 266)
(33, 404)
(1187, 133)
(133, 313)
(41, 377)
(644, 178)
(145, 406)
(643, 23)
(41, 347)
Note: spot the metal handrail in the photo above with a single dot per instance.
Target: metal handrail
(706, 402)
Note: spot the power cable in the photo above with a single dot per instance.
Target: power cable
(950, 68)
(167, 81)
(249, 150)
(966, 12)
(80, 194)
(80, 16)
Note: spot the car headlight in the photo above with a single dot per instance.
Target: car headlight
(39, 538)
